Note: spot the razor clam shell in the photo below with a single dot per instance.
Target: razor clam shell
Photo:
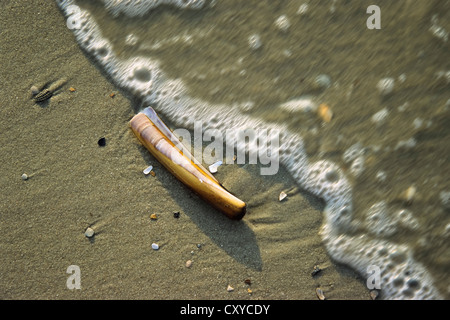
(185, 169)
(151, 114)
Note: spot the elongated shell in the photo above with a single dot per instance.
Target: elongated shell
(153, 134)
(43, 95)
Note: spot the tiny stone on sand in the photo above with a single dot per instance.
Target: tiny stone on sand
(89, 233)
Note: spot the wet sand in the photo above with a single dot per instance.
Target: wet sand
(73, 183)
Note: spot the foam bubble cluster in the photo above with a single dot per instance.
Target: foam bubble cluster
(402, 276)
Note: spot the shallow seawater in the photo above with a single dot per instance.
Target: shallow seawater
(402, 136)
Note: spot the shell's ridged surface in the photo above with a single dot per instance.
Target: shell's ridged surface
(43, 95)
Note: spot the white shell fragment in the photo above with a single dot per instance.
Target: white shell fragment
(301, 104)
(24, 176)
(282, 196)
(89, 233)
(155, 246)
(214, 166)
(148, 170)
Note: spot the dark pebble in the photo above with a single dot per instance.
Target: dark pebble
(102, 142)
(176, 214)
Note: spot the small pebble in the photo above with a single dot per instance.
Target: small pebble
(112, 95)
(374, 294)
(34, 90)
(72, 89)
(230, 288)
(282, 196)
(176, 214)
(417, 123)
(24, 176)
(214, 166)
(155, 246)
(153, 216)
(89, 233)
(188, 263)
(325, 112)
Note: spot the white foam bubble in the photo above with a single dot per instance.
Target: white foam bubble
(402, 277)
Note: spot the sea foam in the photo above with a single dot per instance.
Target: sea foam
(402, 277)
